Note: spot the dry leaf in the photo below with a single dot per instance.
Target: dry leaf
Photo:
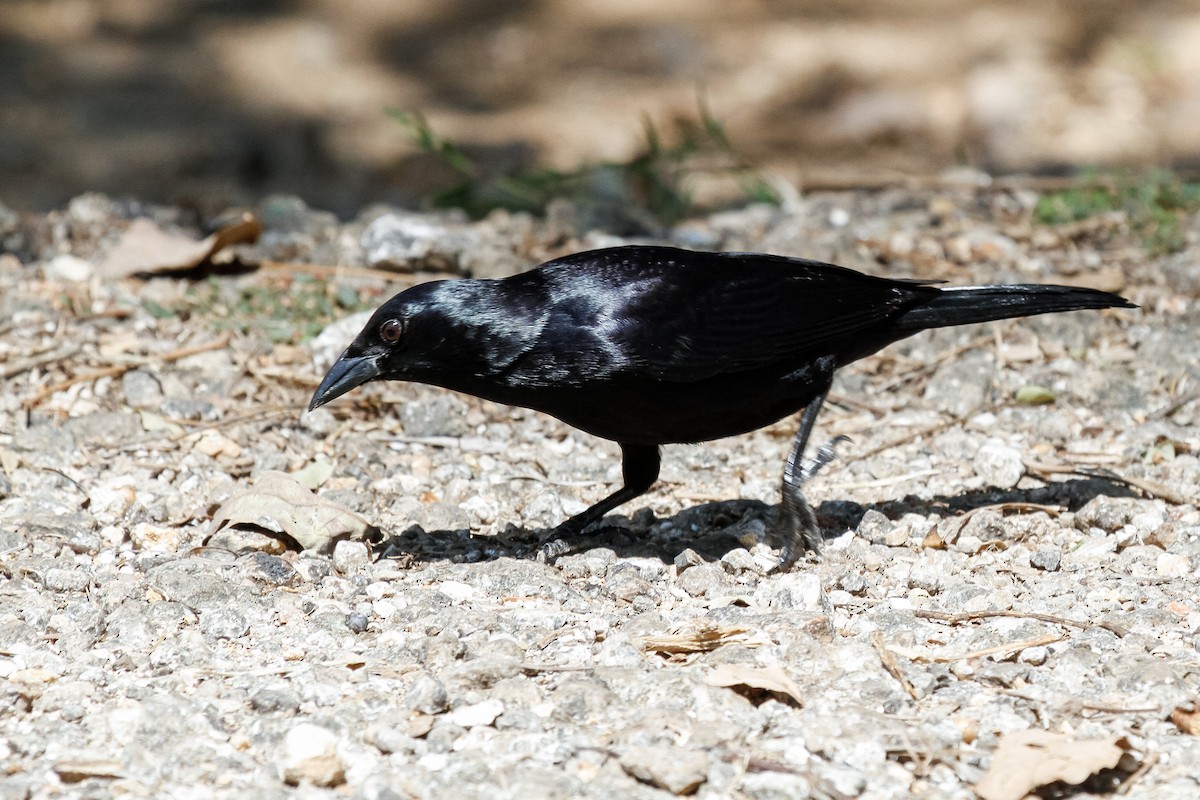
(76, 770)
(700, 640)
(217, 445)
(154, 423)
(771, 679)
(1033, 395)
(315, 474)
(1187, 720)
(1025, 760)
(279, 504)
(146, 248)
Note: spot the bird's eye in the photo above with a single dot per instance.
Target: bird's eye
(390, 331)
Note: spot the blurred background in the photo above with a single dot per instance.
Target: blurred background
(208, 103)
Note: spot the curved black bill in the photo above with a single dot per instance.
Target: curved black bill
(346, 373)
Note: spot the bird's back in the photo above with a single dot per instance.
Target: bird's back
(657, 344)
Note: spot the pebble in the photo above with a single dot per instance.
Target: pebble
(703, 579)
(224, 623)
(414, 241)
(678, 770)
(1046, 558)
(310, 756)
(426, 695)
(999, 464)
(68, 268)
(1173, 565)
(875, 527)
(484, 713)
(141, 389)
(350, 556)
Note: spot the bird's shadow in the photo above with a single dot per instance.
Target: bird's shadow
(713, 529)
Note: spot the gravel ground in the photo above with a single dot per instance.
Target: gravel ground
(995, 568)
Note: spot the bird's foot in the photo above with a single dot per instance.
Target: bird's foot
(825, 453)
(559, 541)
(550, 549)
(796, 524)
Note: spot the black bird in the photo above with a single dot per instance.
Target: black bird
(651, 345)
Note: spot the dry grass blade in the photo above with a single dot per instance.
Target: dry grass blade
(1008, 649)
(330, 271)
(1148, 487)
(917, 434)
(888, 659)
(969, 616)
(117, 370)
(36, 361)
(889, 481)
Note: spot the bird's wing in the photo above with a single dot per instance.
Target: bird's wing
(723, 314)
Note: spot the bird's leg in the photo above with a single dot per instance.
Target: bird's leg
(639, 468)
(797, 523)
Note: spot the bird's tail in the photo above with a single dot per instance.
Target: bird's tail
(968, 304)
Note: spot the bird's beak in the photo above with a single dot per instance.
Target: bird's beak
(346, 373)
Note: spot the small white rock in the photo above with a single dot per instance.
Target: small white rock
(999, 464)
(349, 556)
(484, 713)
(1034, 656)
(1173, 565)
(67, 267)
(310, 754)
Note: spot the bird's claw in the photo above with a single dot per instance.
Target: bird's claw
(825, 453)
(548, 551)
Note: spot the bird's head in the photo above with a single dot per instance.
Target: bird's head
(376, 353)
(458, 334)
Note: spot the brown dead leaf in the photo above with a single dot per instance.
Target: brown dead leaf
(279, 504)
(770, 679)
(1026, 760)
(700, 640)
(74, 770)
(144, 247)
(1187, 720)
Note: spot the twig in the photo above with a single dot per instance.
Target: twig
(253, 416)
(1147, 487)
(968, 616)
(108, 313)
(927, 367)
(930, 431)
(1072, 702)
(1170, 410)
(878, 482)
(851, 402)
(533, 669)
(888, 659)
(117, 370)
(334, 271)
(34, 362)
(1015, 505)
(1011, 647)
